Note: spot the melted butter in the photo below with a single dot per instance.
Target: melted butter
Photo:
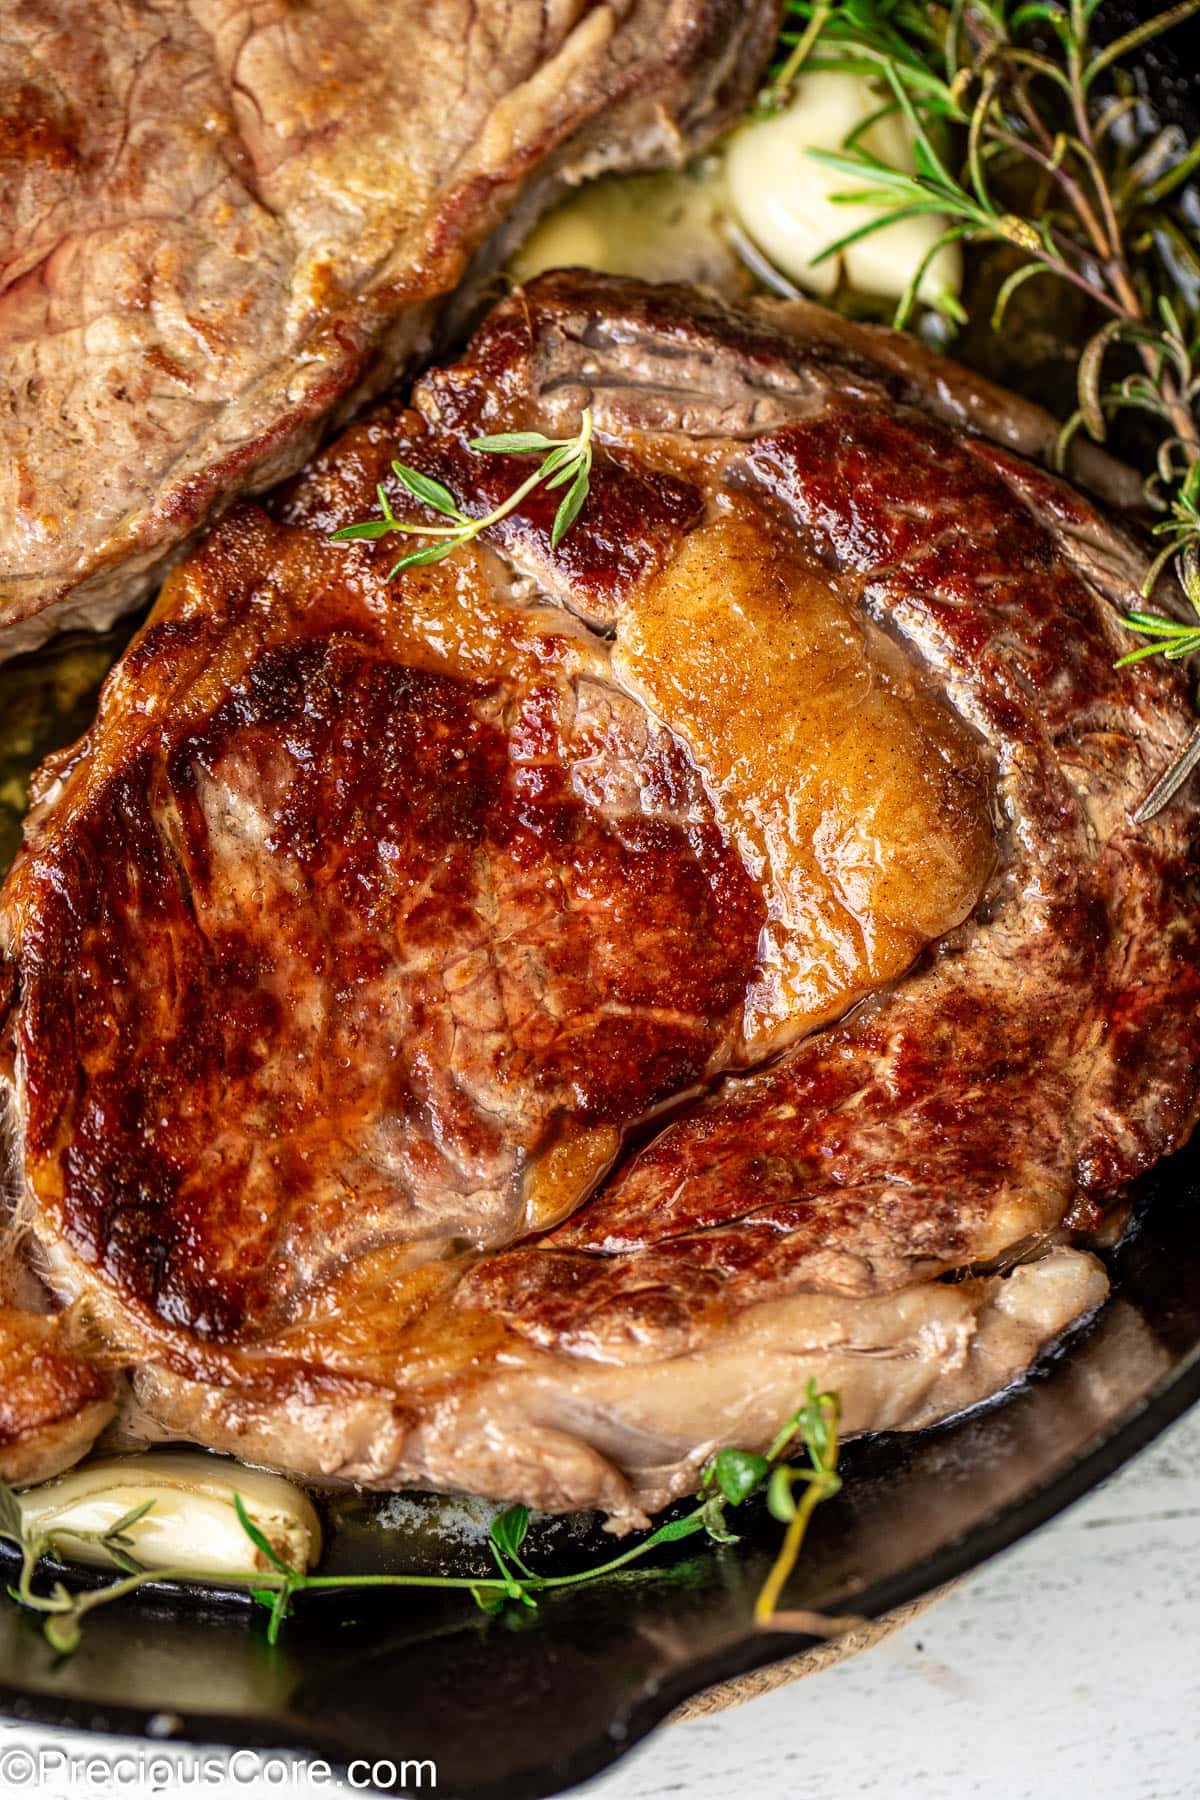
(459, 617)
(454, 617)
(855, 797)
(667, 226)
(566, 1171)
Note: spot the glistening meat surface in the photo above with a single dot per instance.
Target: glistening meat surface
(356, 949)
(367, 953)
(220, 222)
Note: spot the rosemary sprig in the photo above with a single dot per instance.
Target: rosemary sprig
(996, 88)
(859, 37)
(565, 462)
(729, 1478)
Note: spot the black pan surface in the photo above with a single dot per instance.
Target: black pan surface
(509, 1709)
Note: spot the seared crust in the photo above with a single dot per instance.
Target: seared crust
(1036, 1058)
(194, 276)
(53, 1404)
(361, 941)
(888, 1149)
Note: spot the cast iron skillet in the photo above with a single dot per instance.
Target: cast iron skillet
(512, 1708)
(523, 1707)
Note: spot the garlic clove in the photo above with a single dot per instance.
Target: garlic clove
(783, 197)
(192, 1523)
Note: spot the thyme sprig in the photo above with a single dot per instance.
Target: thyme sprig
(817, 1424)
(63, 1609)
(1016, 95)
(565, 463)
(729, 1478)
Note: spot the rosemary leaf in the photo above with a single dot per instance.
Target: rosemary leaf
(989, 84)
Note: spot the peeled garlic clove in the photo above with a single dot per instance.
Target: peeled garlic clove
(192, 1523)
(783, 197)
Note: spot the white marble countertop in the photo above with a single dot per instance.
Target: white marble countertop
(1068, 1666)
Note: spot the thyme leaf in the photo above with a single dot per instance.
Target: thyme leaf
(424, 487)
(563, 460)
(11, 1525)
(738, 1473)
(261, 1541)
(729, 1478)
(817, 1425)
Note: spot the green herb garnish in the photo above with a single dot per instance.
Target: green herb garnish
(1005, 96)
(64, 1610)
(565, 463)
(817, 1426)
(729, 1478)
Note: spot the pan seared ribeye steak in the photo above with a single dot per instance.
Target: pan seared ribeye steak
(218, 223)
(793, 789)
